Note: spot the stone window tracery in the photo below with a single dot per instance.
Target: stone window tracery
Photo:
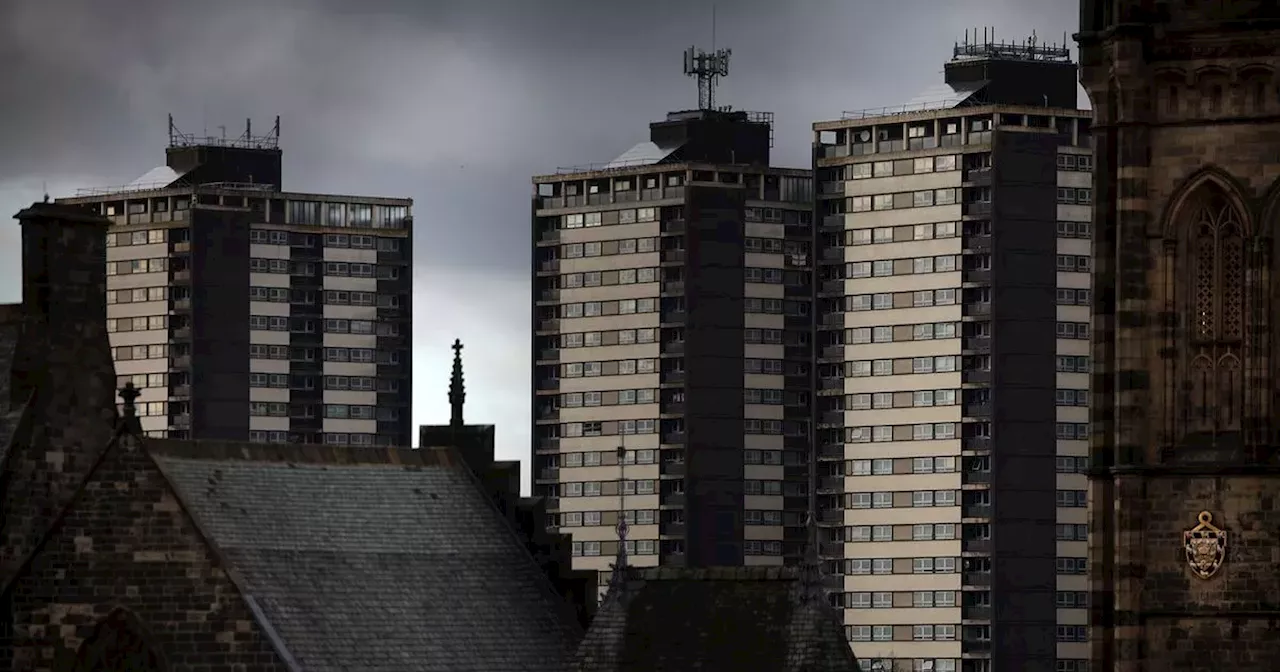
(1216, 328)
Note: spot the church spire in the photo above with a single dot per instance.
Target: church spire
(811, 579)
(457, 391)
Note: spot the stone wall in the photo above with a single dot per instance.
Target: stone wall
(127, 543)
(1175, 105)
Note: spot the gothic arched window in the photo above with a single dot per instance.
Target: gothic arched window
(1217, 263)
(1214, 238)
(119, 643)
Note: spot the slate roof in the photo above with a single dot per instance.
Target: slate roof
(722, 618)
(386, 560)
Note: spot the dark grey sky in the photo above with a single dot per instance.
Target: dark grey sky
(455, 103)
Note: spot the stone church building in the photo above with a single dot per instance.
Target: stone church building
(120, 553)
(1185, 495)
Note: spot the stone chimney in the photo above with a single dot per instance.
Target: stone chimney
(64, 288)
(62, 375)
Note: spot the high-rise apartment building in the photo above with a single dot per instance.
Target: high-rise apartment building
(952, 368)
(244, 312)
(672, 317)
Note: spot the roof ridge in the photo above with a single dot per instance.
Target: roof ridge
(301, 453)
(514, 535)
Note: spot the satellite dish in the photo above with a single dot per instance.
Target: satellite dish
(864, 136)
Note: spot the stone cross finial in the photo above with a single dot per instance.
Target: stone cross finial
(457, 391)
(130, 394)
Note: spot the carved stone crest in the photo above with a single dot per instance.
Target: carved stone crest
(1205, 546)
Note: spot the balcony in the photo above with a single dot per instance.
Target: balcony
(549, 355)
(979, 410)
(548, 384)
(832, 418)
(549, 265)
(181, 305)
(672, 499)
(832, 288)
(549, 296)
(183, 276)
(180, 362)
(831, 550)
(673, 439)
(833, 254)
(670, 528)
(976, 277)
(976, 345)
(977, 243)
(975, 443)
(182, 247)
(673, 317)
(547, 413)
(976, 377)
(831, 384)
(977, 209)
(549, 236)
(549, 324)
(976, 579)
(831, 484)
(831, 517)
(833, 222)
(830, 188)
(179, 392)
(975, 646)
(976, 478)
(976, 309)
(977, 510)
(834, 353)
(978, 177)
(832, 151)
(672, 469)
(673, 287)
(831, 451)
(976, 546)
(549, 474)
(673, 256)
(548, 445)
(671, 378)
(673, 226)
(180, 421)
(673, 348)
(975, 613)
(180, 334)
(672, 408)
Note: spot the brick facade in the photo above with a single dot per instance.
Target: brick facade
(1187, 109)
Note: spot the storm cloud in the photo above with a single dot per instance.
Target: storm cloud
(454, 103)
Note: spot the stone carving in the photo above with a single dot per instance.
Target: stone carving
(1205, 546)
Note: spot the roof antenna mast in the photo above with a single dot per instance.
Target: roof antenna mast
(707, 68)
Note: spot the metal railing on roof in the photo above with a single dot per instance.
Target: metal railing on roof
(607, 166)
(238, 186)
(908, 108)
(107, 191)
(157, 186)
